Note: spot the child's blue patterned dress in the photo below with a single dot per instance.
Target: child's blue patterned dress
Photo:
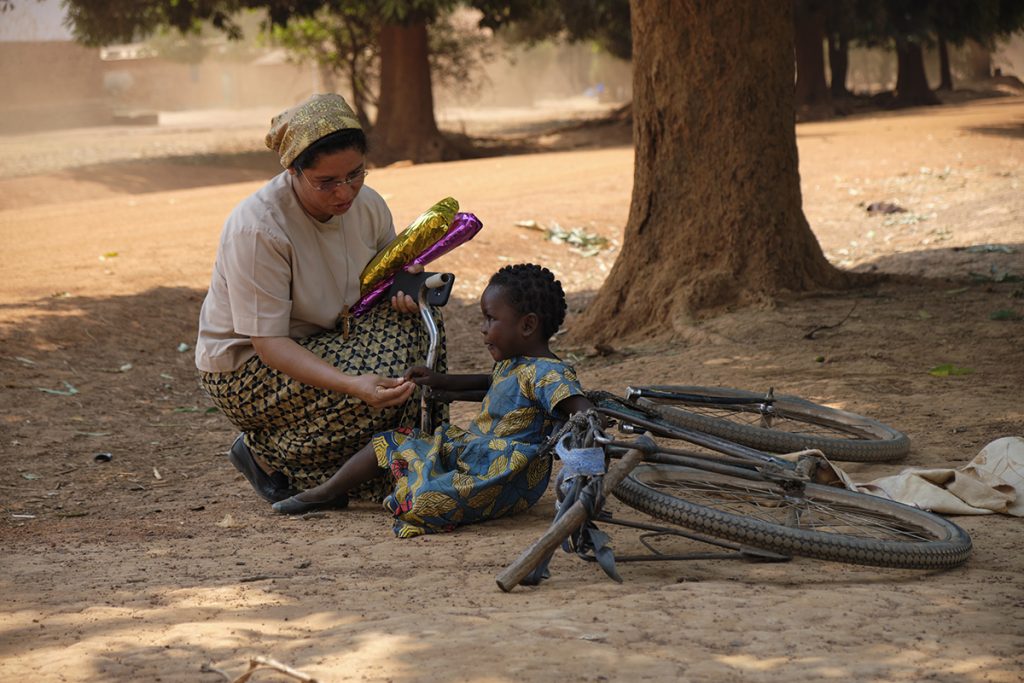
(457, 477)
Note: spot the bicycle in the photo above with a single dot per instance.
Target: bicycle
(738, 496)
(759, 505)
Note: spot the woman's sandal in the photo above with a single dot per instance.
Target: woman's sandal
(294, 506)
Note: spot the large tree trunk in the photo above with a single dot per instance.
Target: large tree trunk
(811, 87)
(405, 126)
(839, 64)
(716, 218)
(911, 82)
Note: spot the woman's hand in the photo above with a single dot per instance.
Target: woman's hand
(421, 376)
(382, 392)
(403, 303)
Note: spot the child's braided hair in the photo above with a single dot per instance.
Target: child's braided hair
(533, 289)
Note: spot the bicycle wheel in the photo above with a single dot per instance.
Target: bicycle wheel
(820, 521)
(796, 424)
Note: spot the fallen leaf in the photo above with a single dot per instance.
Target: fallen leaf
(71, 391)
(948, 370)
(1004, 314)
(529, 224)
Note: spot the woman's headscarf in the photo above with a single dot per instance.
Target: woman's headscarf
(295, 129)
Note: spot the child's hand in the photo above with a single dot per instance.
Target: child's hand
(422, 376)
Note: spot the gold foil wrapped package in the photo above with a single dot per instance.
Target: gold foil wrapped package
(431, 226)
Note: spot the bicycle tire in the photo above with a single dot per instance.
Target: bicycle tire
(832, 523)
(798, 424)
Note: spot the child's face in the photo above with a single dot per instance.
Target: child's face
(501, 327)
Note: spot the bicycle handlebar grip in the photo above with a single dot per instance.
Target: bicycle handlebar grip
(437, 280)
(576, 515)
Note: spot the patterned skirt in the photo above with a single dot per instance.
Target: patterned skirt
(307, 433)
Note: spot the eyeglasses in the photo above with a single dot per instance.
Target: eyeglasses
(355, 180)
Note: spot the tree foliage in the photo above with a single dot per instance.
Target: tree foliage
(603, 22)
(98, 22)
(344, 43)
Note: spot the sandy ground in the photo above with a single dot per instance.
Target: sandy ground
(151, 565)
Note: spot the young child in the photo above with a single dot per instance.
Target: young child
(456, 476)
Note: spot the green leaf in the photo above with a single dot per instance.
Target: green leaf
(948, 370)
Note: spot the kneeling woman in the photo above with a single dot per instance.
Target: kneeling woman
(306, 384)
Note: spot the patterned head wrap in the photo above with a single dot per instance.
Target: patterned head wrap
(295, 129)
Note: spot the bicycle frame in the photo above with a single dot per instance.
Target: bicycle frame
(633, 419)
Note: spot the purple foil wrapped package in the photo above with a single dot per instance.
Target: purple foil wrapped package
(464, 227)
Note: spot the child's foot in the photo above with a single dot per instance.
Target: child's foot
(296, 506)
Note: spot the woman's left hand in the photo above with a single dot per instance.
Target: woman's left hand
(403, 303)
(382, 392)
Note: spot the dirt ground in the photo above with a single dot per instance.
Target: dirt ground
(161, 561)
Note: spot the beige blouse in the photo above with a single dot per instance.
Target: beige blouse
(280, 272)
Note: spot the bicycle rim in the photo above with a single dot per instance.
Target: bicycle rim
(820, 522)
(797, 424)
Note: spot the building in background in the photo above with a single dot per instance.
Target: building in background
(47, 79)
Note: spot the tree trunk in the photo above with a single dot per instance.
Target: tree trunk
(715, 219)
(945, 74)
(911, 82)
(811, 88)
(839, 64)
(354, 71)
(405, 126)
